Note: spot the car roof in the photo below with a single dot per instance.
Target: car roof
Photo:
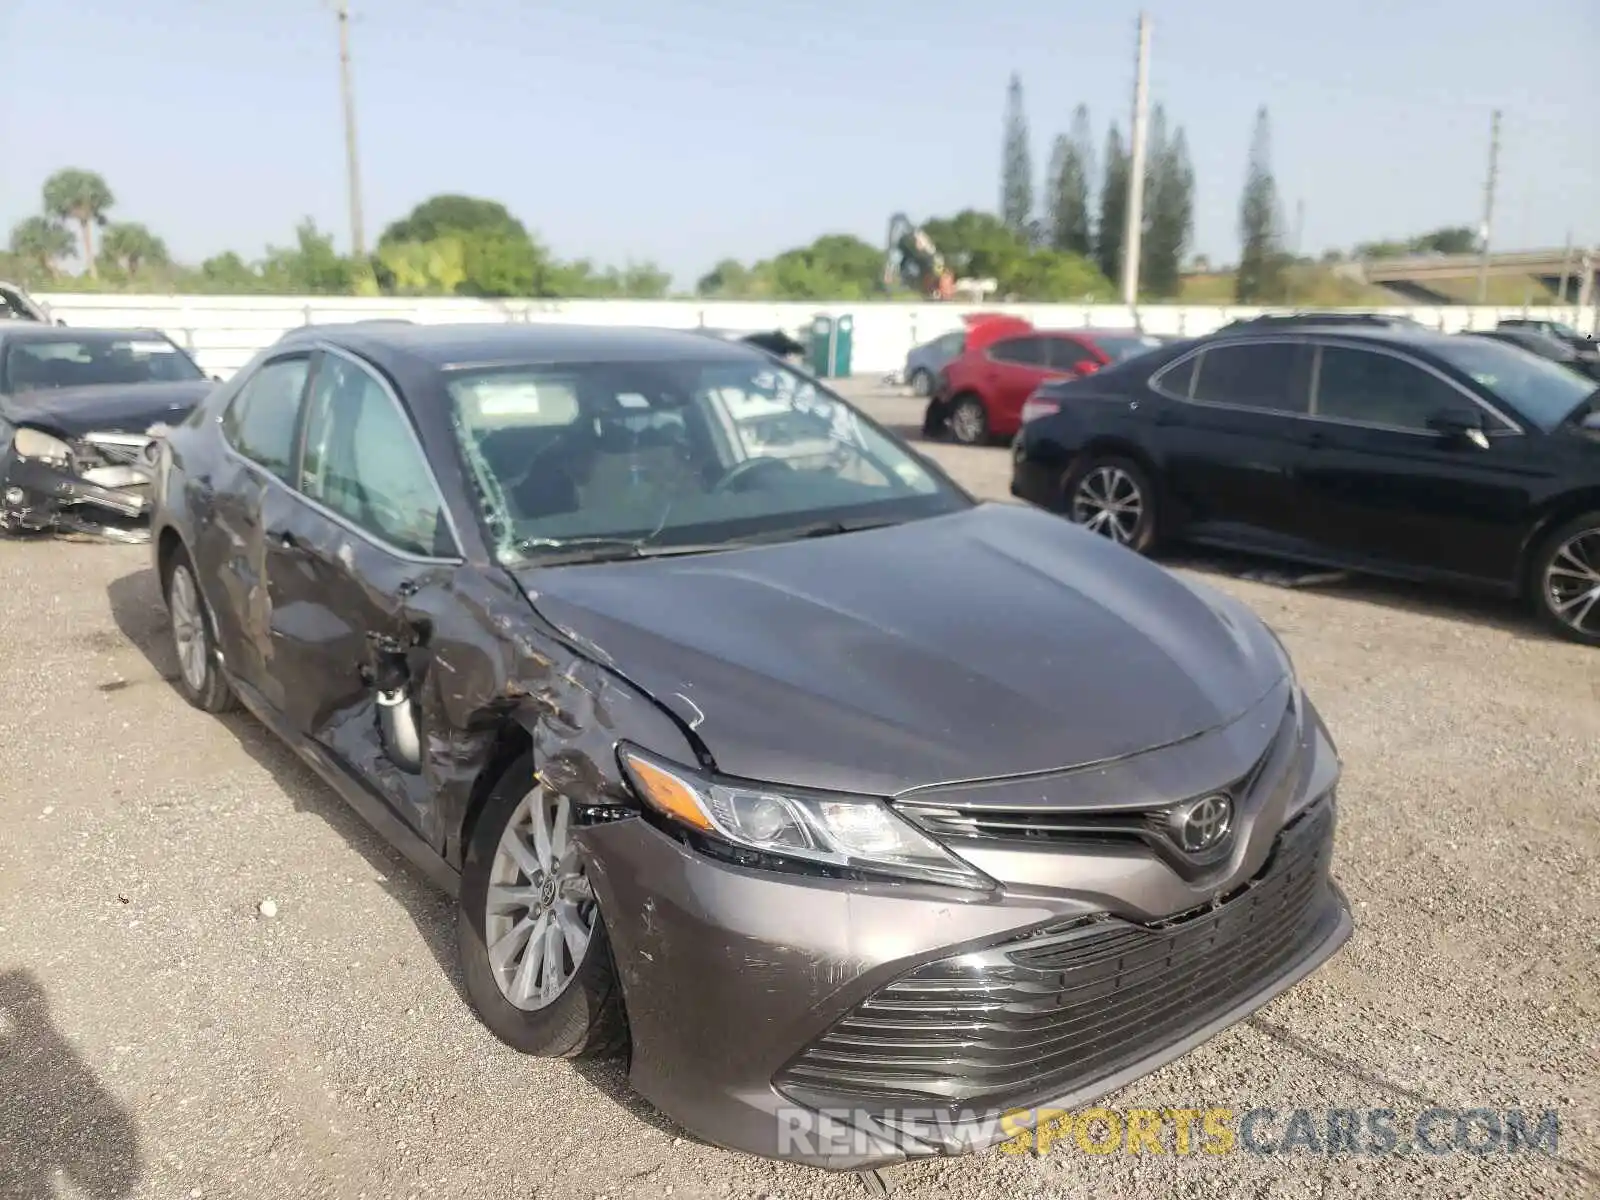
(34, 331)
(1401, 335)
(484, 344)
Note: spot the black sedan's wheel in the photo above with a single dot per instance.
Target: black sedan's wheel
(968, 421)
(1566, 578)
(921, 382)
(200, 677)
(1114, 498)
(533, 948)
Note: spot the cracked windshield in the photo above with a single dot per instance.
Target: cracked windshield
(657, 454)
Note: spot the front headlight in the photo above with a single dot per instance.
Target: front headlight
(853, 834)
(32, 443)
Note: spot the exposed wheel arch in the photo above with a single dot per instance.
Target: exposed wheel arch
(512, 741)
(1556, 514)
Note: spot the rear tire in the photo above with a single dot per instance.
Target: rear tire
(578, 1015)
(194, 639)
(967, 421)
(1565, 580)
(1112, 496)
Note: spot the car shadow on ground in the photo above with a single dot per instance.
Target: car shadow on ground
(1507, 614)
(138, 611)
(60, 1129)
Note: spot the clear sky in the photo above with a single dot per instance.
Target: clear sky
(691, 130)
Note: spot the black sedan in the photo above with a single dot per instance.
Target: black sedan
(79, 411)
(763, 764)
(1403, 453)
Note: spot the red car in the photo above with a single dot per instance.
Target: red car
(980, 395)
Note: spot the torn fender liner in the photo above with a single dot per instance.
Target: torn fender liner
(100, 488)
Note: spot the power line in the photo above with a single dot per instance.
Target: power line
(358, 238)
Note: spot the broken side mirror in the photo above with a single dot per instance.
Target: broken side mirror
(1460, 425)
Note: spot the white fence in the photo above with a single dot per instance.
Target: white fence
(225, 331)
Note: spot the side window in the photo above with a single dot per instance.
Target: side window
(1258, 375)
(1380, 389)
(952, 343)
(363, 462)
(1177, 379)
(261, 421)
(1023, 351)
(1066, 354)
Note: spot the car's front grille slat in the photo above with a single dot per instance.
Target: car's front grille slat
(1047, 1014)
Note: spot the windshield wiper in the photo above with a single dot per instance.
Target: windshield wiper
(556, 551)
(820, 529)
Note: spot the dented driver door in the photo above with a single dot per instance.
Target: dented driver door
(357, 557)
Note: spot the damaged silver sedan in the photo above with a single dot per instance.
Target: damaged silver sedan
(80, 413)
(861, 813)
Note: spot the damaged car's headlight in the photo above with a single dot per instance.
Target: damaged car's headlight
(851, 834)
(32, 443)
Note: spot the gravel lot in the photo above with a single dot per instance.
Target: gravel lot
(161, 1038)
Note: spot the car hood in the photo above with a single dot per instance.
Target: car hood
(115, 408)
(996, 641)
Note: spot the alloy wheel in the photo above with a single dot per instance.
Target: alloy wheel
(1108, 502)
(967, 422)
(1572, 582)
(540, 912)
(189, 636)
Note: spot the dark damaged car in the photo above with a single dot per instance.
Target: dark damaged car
(79, 413)
(721, 749)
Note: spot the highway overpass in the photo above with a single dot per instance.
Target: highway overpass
(1418, 277)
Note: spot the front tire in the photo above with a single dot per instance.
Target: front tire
(194, 640)
(533, 946)
(1113, 497)
(1566, 580)
(921, 382)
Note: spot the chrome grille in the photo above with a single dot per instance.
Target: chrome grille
(113, 449)
(1088, 828)
(1070, 1005)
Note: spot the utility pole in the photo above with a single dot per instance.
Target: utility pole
(358, 238)
(1134, 230)
(1488, 205)
(1566, 271)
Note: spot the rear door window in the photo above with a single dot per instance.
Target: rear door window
(1022, 351)
(1261, 375)
(1066, 354)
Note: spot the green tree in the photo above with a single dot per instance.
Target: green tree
(310, 267)
(1109, 229)
(730, 278)
(1260, 278)
(452, 213)
(1016, 165)
(1054, 275)
(127, 246)
(41, 243)
(1168, 210)
(975, 244)
(227, 273)
(1071, 163)
(435, 268)
(82, 197)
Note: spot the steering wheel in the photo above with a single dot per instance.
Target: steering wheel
(747, 469)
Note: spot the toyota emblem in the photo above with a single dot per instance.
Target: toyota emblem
(1204, 824)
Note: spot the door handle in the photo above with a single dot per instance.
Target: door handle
(1316, 439)
(286, 539)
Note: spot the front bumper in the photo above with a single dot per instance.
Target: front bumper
(850, 1025)
(98, 497)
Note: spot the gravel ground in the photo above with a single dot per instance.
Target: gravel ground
(161, 1038)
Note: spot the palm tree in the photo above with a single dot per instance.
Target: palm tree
(82, 197)
(130, 246)
(42, 242)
